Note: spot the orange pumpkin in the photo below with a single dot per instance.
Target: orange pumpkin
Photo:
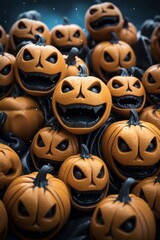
(155, 44)
(3, 221)
(3, 38)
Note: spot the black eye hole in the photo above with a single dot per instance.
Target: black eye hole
(78, 174)
(21, 25)
(77, 34)
(66, 87)
(59, 34)
(40, 142)
(142, 195)
(123, 146)
(53, 58)
(129, 225)
(27, 56)
(101, 173)
(95, 88)
(6, 70)
(151, 79)
(137, 84)
(0, 33)
(40, 29)
(128, 57)
(110, 7)
(152, 145)
(99, 218)
(116, 84)
(108, 57)
(62, 146)
(93, 11)
(22, 209)
(51, 212)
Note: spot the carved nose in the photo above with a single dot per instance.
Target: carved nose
(39, 64)
(80, 94)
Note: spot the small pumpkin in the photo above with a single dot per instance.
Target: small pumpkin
(123, 216)
(38, 205)
(86, 177)
(3, 38)
(3, 221)
(155, 44)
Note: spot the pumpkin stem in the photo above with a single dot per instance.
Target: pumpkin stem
(157, 178)
(71, 60)
(39, 40)
(65, 21)
(123, 195)
(40, 180)
(98, 1)
(84, 151)
(114, 38)
(134, 118)
(125, 23)
(124, 72)
(1, 49)
(82, 71)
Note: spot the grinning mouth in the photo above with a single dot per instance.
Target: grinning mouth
(18, 41)
(106, 21)
(39, 81)
(127, 102)
(4, 90)
(80, 115)
(137, 172)
(66, 49)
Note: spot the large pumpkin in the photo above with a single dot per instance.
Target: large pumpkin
(3, 221)
(155, 44)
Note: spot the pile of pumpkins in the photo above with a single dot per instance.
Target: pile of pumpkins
(79, 127)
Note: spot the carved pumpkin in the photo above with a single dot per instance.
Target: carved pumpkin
(10, 165)
(24, 116)
(109, 57)
(149, 190)
(7, 76)
(39, 67)
(52, 145)
(123, 216)
(25, 29)
(3, 221)
(131, 148)
(87, 178)
(151, 82)
(155, 44)
(103, 18)
(127, 93)
(38, 205)
(65, 36)
(3, 38)
(81, 103)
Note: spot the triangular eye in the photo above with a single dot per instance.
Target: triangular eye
(129, 225)
(51, 212)
(22, 209)
(137, 84)
(59, 34)
(99, 218)
(95, 88)
(93, 11)
(151, 79)
(107, 57)
(66, 87)
(63, 145)
(116, 84)
(21, 25)
(6, 70)
(78, 174)
(77, 34)
(40, 29)
(101, 173)
(40, 142)
(123, 146)
(152, 145)
(1, 33)
(128, 57)
(27, 55)
(53, 58)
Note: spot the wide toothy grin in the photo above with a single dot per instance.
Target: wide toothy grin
(18, 41)
(80, 115)
(127, 102)
(37, 81)
(105, 21)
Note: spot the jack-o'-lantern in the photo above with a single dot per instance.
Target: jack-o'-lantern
(3, 38)
(73, 62)
(52, 145)
(123, 216)
(38, 205)
(103, 18)
(25, 29)
(24, 116)
(81, 103)
(39, 67)
(10, 165)
(149, 190)
(3, 221)
(127, 93)
(87, 178)
(7, 76)
(65, 36)
(151, 82)
(155, 44)
(131, 148)
(109, 57)
(128, 33)
(149, 25)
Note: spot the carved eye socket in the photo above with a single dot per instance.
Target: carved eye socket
(59, 34)
(101, 173)
(40, 142)
(95, 88)
(128, 57)
(6, 70)
(116, 84)
(107, 57)
(53, 58)
(66, 88)
(129, 225)
(137, 84)
(77, 34)
(21, 25)
(78, 174)
(93, 11)
(151, 79)
(22, 209)
(40, 29)
(51, 212)
(1, 33)
(152, 145)
(110, 7)
(27, 56)
(123, 146)
(99, 218)
(62, 146)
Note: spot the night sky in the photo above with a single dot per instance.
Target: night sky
(52, 12)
